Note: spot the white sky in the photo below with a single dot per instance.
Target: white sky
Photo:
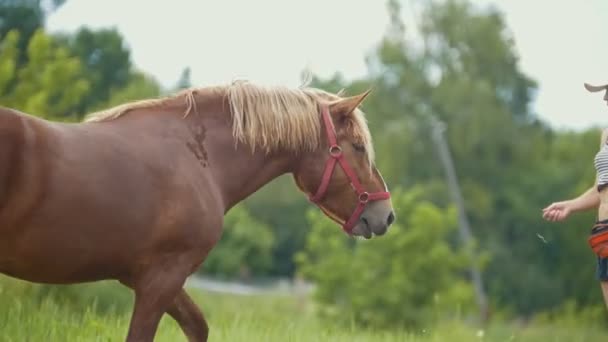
(561, 43)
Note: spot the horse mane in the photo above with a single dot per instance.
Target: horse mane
(122, 109)
(269, 117)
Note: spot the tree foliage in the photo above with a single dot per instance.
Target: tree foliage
(64, 76)
(410, 277)
(184, 79)
(50, 84)
(510, 164)
(106, 61)
(245, 247)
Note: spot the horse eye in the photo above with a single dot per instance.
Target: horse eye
(359, 147)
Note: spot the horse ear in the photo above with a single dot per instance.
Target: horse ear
(344, 107)
(595, 89)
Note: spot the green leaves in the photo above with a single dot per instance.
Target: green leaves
(49, 84)
(407, 277)
(245, 247)
(509, 164)
(8, 59)
(106, 61)
(64, 77)
(138, 86)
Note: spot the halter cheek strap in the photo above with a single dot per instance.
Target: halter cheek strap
(337, 157)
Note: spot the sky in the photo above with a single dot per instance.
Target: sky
(561, 44)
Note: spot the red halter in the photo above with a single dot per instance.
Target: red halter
(336, 156)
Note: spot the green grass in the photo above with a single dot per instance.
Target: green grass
(101, 311)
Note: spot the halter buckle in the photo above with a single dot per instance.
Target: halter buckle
(364, 197)
(335, 151)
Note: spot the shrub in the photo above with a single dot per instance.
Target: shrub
(407, 278)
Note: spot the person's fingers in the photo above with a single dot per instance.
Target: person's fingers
(555, 214)
(548, 213)
(554, 206)
(549, 207)
(562, 214)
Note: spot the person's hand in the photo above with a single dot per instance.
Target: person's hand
(557, 211)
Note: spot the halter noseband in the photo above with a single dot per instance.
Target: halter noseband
(336, 156)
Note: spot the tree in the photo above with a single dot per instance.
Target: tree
(106, 61)
(138, 86)
(509, 163)
(50, 84)
(283, 207)
(244, 249)
(410, 277)
(25, 16)
(103, 56)
(184, 79)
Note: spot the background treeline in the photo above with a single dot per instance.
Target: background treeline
(465, 71)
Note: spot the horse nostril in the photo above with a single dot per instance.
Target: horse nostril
(365, 221)
(391, 219)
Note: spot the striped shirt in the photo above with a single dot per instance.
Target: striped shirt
(601, 166)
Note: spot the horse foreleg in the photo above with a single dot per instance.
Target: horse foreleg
(155, 293)
(189, 317)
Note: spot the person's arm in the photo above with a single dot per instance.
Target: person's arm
(590, 199)
(559, 211)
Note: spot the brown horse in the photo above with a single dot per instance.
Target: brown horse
(138, 193)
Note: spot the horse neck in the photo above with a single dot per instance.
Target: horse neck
(237, 171)
(243, 173)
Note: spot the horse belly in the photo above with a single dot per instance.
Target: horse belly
(43, 271)
(38, 255)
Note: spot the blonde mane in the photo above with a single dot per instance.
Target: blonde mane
(267, 117)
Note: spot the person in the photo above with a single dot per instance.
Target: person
(595, 197)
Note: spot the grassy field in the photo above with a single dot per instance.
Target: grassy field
(100, 312)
